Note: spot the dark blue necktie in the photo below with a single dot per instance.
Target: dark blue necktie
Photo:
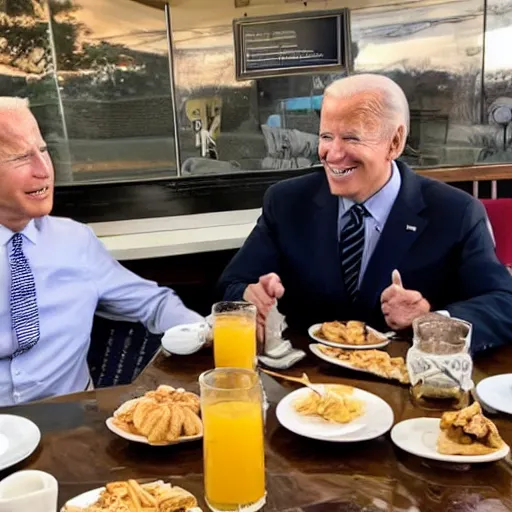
(24, 313)
(351, 248)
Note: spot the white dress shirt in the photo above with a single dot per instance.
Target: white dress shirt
(74, 276)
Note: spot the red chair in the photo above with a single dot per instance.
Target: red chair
(499, 212)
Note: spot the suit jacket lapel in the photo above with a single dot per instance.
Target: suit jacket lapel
(325, 225)
(403, 226)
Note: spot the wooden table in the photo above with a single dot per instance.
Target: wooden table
(302, 474)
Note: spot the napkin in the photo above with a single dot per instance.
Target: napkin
(278, 352)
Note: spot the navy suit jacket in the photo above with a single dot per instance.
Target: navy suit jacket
(449, 257)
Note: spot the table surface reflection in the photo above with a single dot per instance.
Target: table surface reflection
(302, 474)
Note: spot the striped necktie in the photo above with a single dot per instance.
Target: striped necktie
(24, 313)
(351, 248)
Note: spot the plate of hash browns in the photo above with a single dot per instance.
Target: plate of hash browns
(130, 496)
(376, 362)
(351, 335)
(161, 417)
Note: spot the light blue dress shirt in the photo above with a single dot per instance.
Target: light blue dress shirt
(75, 276)
(379, 205)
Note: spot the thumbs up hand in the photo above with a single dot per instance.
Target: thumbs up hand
(401, 306)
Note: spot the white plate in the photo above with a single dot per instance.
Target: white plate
(88, 498)
(141, 439)
(344, 364)
(376, 420)
(496, 392)
(19, 437)
(314, 328)
(419, 437)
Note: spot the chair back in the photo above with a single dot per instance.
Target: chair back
(499, 212)
(119, 351)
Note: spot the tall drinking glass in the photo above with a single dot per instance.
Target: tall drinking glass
(234, 458)
(234, 334)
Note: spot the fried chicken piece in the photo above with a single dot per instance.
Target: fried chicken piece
(468, 432)
(477, 426)
(125, 412)
(356, 332)
(154, 422)
(335, 331)
(192, 425)
(464, 415)
(162, 415)
(187, 399)
(176, 422)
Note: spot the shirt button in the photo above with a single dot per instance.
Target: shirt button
(17, 373)
(16, 397)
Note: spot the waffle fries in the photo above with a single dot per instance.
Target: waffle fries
(162, 416)
(336, 406)
(130, 496)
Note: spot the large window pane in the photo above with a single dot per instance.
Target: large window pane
(113, 72)
(433, 49)
(435, 52)
(26, 70)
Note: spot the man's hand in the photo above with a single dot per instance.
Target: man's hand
(400, 306)
(263, 295)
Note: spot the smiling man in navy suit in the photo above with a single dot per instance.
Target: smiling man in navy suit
(327, 243)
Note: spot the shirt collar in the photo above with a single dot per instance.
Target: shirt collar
(379, 205)
(30, 232)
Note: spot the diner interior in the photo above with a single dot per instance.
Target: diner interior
(165, 146)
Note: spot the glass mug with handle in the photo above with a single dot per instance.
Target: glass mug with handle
(234, 335)
(233, 433)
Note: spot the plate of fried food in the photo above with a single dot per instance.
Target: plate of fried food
(130, 496)
(161, 417)
(340, 414)
(464, 436)
(352, 335)
(376, 362)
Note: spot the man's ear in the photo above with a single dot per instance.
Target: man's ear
(397, 144)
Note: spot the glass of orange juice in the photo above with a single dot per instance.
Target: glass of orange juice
(234, 458)
(234, 334)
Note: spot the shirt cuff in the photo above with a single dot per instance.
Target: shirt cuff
(444, 312)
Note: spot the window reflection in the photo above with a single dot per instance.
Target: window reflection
(113, 74)
(26, 70)
(98, 80)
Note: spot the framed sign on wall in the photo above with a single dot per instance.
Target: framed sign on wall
(290, 44)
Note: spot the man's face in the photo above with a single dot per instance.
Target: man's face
(356, 146)
(26, 170)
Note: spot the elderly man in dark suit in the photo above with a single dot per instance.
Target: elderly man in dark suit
(327, 243)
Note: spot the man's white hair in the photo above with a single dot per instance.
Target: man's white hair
(394, 106)
(9, 103)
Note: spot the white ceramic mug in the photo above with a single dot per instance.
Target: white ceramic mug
(29, 491)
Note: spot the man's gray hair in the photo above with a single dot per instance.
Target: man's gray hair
(9, 103)
(394, 106)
